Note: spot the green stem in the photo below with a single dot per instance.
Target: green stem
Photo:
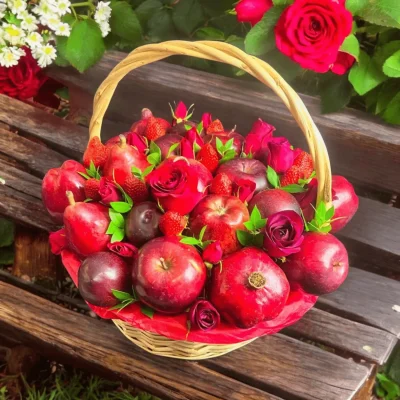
(74, 12)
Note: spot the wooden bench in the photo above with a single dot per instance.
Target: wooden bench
(331, 354)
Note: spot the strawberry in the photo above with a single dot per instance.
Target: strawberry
(136, 189)
(208, 156)
(225, 234)
(215, 127)
(140, 126)
(96, 152)
(91, 187)
(305, 163)
(221, 185)
(291, 176)
(172, 223)
(156, 127)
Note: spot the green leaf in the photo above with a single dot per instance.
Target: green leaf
(261, 39)
(229, 155)
(351, 46)
(236, 41)
(365, 75)
(209, 33)
(282, 2)
(190, 240)
(83, 54)
(382, 53)
(187, 16)
(121, 296)
(385, 95)
(120, 206)
(124, 22)
(202, 232)
(255, 215)
(391, 114)
(61, 59)
(63, 93)
(118, 235)
(146, 310)
(137, 172)
(111, 228)
(335, 93)
(172, 148)
(7, 232)
(287, 68)
(154, 158)
(160, 26)
(147, 9)
(245, 238)
(374, 13)
(260, 224)
(116, 218)
(329, 213)
(219, 145)
(147, 171)
(7, 256)
(228, 145)
(354, 6)
(216, 8)
(390, 8)
(272, 177)
(249, 225)
(293, 188)
(391, 67)
(154, 148)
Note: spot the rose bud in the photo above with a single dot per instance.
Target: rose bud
(343, 63)
(58, 241)
(180, 111)
(194, 137)
(203, 315)
(283, 233)
(108, 191)
(280, 156)
(244, 189)
(252, 10)
(136, 140)
(256, 142)
(206, 119)
(213, 253)
(187, 148)
(123, 249)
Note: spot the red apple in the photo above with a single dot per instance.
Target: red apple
(166, 141)
(180, 128)
(249, 288)
(246, 168)
(238, 140)
(99, 274)
(121, 159)
(272, 201)
(320, 266)
(85, 226)
(168, 275)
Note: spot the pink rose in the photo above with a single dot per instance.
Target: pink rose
(213, 253)
(123, 249)
(203, 316)
(187, 148)
(206, 119)
(252, 10)
(244, 189)
(136, 140)
(256, 142)
(108, 191)
(283, 233)
(193, 137)
(179, 184)
(311, 32)
(58, 241)
(343, 63)
(280, 156)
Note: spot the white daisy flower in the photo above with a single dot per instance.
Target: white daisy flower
(63, 29)
(2, 41)
(13, 34)
(62, 7)
(53, 22)
(44, 55)
(29, 21)
(3, 8)
(34, 40)
(103, 11)
(45, 8)
(17, 6)
(105, 28)
(9, 56)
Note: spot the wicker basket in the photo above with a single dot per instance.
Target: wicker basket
(226, 53)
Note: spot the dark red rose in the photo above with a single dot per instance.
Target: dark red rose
(58, 241)
(108, 191)
(24, 80)
(280, 156)
(213, 253)
(343, 63)
(203, 316)
(283, 233)
(123, 249)
(311, 32)
(252, 10)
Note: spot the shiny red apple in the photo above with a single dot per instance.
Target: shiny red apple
(320, 266)
(59, 180)
(246, 168)
(271, 201)
(249, 288)
(165, 142)
(99, 274)
(168, 275)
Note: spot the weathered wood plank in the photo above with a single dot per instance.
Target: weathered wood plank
(37, 157)
(351, 337)
(367, 298)
(360, 147)
(67, 137)
(293, 369)
(100, 346)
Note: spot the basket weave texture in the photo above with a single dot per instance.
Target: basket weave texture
(225, 53)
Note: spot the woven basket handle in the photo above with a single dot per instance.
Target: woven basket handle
(228, 54)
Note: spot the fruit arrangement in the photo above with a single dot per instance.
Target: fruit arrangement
(195, 232)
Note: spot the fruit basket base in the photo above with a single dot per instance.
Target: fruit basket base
(165, 347)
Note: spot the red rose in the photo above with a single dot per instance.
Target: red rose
(252, 10)
(311, 32)
(186, 148)
(179, 184)
(135, 140)
(256, 142)
(244, 189)
(24, 80)
(280, 156)
(193, 137)
(343, 63)
(206, 119)
(123, 249)
(203, 315)
(108, 191)
(213, 253)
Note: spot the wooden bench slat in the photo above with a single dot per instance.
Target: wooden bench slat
(67, 137)
(37, 157)
(367, 298)
(364, 341)
(290, 367)
(360, 147)
(100, 346)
